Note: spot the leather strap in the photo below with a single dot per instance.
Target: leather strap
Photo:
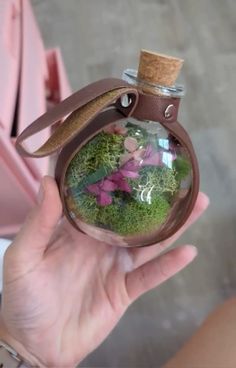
(159, 108)
(85, 104)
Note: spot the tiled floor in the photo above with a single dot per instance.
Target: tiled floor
(100, 38)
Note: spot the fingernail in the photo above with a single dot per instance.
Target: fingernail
(194, 250)
(205, 200)
(40, 196)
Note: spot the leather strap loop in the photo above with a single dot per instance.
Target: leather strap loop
(85, 104)
(157, 108)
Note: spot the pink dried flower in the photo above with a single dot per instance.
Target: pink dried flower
(131, 144)
(115, 176)
(136, 155)
(104, 199)
(120, 181)
(124, 186)
(154, 158)
(108, 185)
(115, 129)
(125, 157)
(94, 189)
(101, 190)
(151, 157)
(130, 169)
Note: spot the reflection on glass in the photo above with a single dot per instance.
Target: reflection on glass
(125, 181)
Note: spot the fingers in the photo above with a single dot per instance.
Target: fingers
(33, 238)
(158, 270)
(143, 255)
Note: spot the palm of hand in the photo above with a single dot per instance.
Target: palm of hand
(62, 297)
(79, 284)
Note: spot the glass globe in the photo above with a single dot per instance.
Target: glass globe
(125, 184)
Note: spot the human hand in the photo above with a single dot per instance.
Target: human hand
(64, 292)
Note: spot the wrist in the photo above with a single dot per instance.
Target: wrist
(19, 348)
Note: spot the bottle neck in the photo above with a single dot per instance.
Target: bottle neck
(131, 77)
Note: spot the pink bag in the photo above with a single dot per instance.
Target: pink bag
(10, 20)
(32, 81)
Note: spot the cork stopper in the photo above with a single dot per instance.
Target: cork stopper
(158, 68)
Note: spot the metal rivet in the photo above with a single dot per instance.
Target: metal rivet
(168, 111)
(125, 100)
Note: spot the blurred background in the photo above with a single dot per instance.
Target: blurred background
(100, 38)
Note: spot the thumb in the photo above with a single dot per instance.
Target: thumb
(32, 240)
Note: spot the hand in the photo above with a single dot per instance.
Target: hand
(64, 292)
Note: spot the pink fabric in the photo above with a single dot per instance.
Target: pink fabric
(9, 59)
(40, 70)
(58, 86)
(17, 187)
(34, 71)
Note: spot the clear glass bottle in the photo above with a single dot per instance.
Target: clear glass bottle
(131, 178)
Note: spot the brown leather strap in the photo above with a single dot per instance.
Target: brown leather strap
(159, 108)
(85, 104)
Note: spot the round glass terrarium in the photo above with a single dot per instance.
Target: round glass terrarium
(126, 170)
(129, 181)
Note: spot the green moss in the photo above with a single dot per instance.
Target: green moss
(182, 167)
(150, 201)
(87, 207)
(103, 150)
(92, 178)
(134, 217)
(154, 181)
(128, 219)
(108, 216)
(137, 132)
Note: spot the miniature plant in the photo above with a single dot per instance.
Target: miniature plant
(103, 150)
(182, 167)
(143, 216)
(137, 132)
(102, 191)
(115, 182)
(94, 177)
(124, 181)
(125, 216)
(133, 217)
(155, 180)
(87, 208)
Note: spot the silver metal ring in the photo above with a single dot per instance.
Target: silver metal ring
(167, 112)
(125, 101)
